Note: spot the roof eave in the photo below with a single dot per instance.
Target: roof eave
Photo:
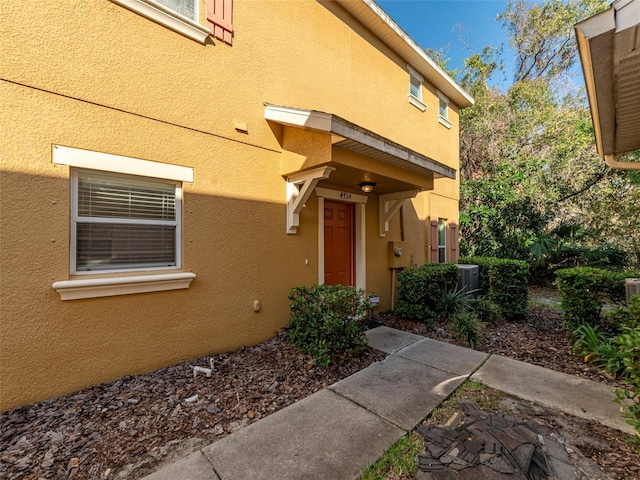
(346, 134)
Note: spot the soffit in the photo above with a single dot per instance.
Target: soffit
(609, 47)
(372, 16)
(359, 140)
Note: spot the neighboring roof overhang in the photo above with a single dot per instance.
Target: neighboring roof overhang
(358, 139)
(372, 16)
(609, 48)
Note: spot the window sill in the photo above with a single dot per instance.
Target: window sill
(107, 287)
(444, 121)
(416, 102)
(166, 17)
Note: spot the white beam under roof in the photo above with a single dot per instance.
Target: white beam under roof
(609, 48)
(372, 16)
(358, 139)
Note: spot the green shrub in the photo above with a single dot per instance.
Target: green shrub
(505, 282)
(420, 289)
(628, 348)
(328, 322)
(584, 290)
(618, 355)
(486, 310)
(467, 327)
(451, 302)
(587, 341)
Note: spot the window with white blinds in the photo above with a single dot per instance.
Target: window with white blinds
(124, 222)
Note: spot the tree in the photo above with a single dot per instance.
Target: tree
(528, 158)
(542, 35)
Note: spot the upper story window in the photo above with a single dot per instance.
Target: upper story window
(443, 110)
(181, 16)
(415, 88)
(186, 8)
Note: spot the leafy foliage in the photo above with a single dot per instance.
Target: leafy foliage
(505, 282)
(486, 310)
(542, 36)
(467, 326)
(327, 321)
(619, 355)
(584, 290)
(529, 167)
(420, 289)
(451, 302)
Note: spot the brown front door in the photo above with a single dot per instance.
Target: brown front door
(338, 243)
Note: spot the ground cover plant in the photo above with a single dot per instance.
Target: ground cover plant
(616, 351)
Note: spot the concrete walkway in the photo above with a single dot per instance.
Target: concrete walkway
(339, 431)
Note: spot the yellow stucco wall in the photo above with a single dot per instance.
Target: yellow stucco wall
(95, 76)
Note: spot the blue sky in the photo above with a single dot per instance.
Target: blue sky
(441, 24)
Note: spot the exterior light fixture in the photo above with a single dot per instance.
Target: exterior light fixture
(367, 187)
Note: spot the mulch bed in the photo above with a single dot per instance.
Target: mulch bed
(128, 428)
(540, 339)
(124, 429)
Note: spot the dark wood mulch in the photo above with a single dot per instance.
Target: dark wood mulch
(124, 429)
(540, 339)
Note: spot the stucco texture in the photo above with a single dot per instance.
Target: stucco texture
(96, 76)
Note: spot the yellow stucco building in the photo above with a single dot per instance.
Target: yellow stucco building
(170, 169)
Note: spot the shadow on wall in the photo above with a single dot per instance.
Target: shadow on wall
(237, 248)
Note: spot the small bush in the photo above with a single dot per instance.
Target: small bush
(587, 341)
(505, 282)
(628, 316)
(628, 350)
(486, 310)
(451, 302)
(467, 327)
(584, 290)
(618, 355)
(420, 288)
(328, 322)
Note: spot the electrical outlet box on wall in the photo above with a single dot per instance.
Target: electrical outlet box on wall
(399, 254)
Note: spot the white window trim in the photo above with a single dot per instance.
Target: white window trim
(444, 120)
(417, 103)
(106, 162)
(413, 100)
(360, 202)
(168, 18)
(131, 281)
(75, 217)
(111, 286)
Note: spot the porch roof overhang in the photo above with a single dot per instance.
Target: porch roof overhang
(358, 139)
(609, 48)
(372, 16)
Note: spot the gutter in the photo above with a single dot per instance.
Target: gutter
(611, 161)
